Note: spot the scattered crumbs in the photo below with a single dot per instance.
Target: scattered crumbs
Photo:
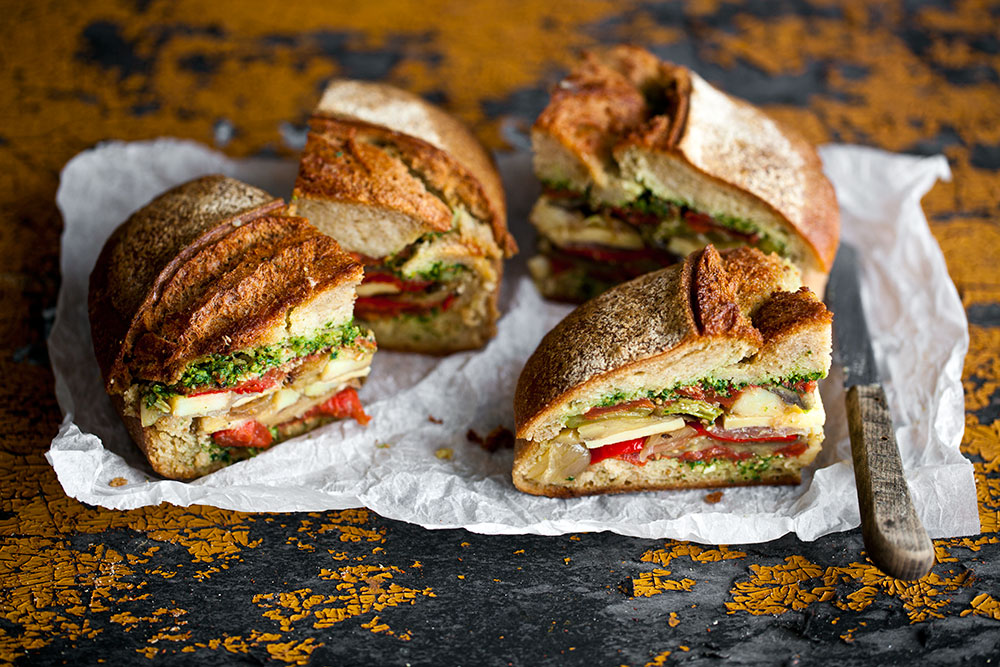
(519, 551)
(434, 420)
(567, 560)
(382, 445)
(499, 438)
(673, 621)
(118, 481)
(444, 453)
(574, 538)
(464, 544)
(497, 580)
(713, 497)
(572, 648)
(834, 621)
(472, 436)
(461, 576)
(501, 636)
(417, 563)
(683, 648)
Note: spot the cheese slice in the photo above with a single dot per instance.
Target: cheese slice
(373, 288)
(565, 227)
(609, 431)
(344, 365)
(187, 406)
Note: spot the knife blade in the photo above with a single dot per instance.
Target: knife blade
(896, 540)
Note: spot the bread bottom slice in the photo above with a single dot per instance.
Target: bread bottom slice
(620, 476)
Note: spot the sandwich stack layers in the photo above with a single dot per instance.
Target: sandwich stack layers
(642, 162)
(223, 325)
(702, 374)
(413, 195)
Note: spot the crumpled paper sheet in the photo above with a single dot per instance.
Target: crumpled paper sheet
(392, 466)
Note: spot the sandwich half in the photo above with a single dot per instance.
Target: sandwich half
(699, 375)
(222, 326)
(642, 162)
(408, 189)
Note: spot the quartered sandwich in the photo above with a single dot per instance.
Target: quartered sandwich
(703, 374)
(643, 162)
(222, 326)
(410, 192)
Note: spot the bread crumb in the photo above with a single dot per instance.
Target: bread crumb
(499, 438)
(713, 497)
(444, 453)
(432, 419)
(118, 481)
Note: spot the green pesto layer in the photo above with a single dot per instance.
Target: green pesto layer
(228, 370)
(719, 387)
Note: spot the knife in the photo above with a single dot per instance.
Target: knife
(896, 540)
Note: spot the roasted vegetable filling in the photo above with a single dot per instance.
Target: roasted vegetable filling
(623, 242)
(751, 425)
(255, 398)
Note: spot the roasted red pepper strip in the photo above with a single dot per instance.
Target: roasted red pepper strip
(715, 452)
(594, 413)
(386, 306)
(249, 434)
(795, 449)
(704, 431)
(604, 254)
(342, 405)
(251, 386)
(616, 450)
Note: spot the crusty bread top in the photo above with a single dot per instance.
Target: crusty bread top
(419, 127)
(212, 265)
(724, 138)
(710, 309)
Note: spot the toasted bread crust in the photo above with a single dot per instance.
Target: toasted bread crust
(787, 313)
(341, 162)
(222, 272)
(725, 139)
(437, 144)
(664, 313)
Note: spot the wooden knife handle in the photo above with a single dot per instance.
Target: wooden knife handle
(896, 540)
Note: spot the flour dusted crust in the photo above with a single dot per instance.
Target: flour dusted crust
(738, 316)
(623, 120)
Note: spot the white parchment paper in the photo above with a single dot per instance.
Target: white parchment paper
(913, 308)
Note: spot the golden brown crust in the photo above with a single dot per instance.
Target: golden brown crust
(787, 313)
(224, 284)
(623, 96)
(341, 162)
(431, 138)
(714, 299)
(753, 276)
(594, 106)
